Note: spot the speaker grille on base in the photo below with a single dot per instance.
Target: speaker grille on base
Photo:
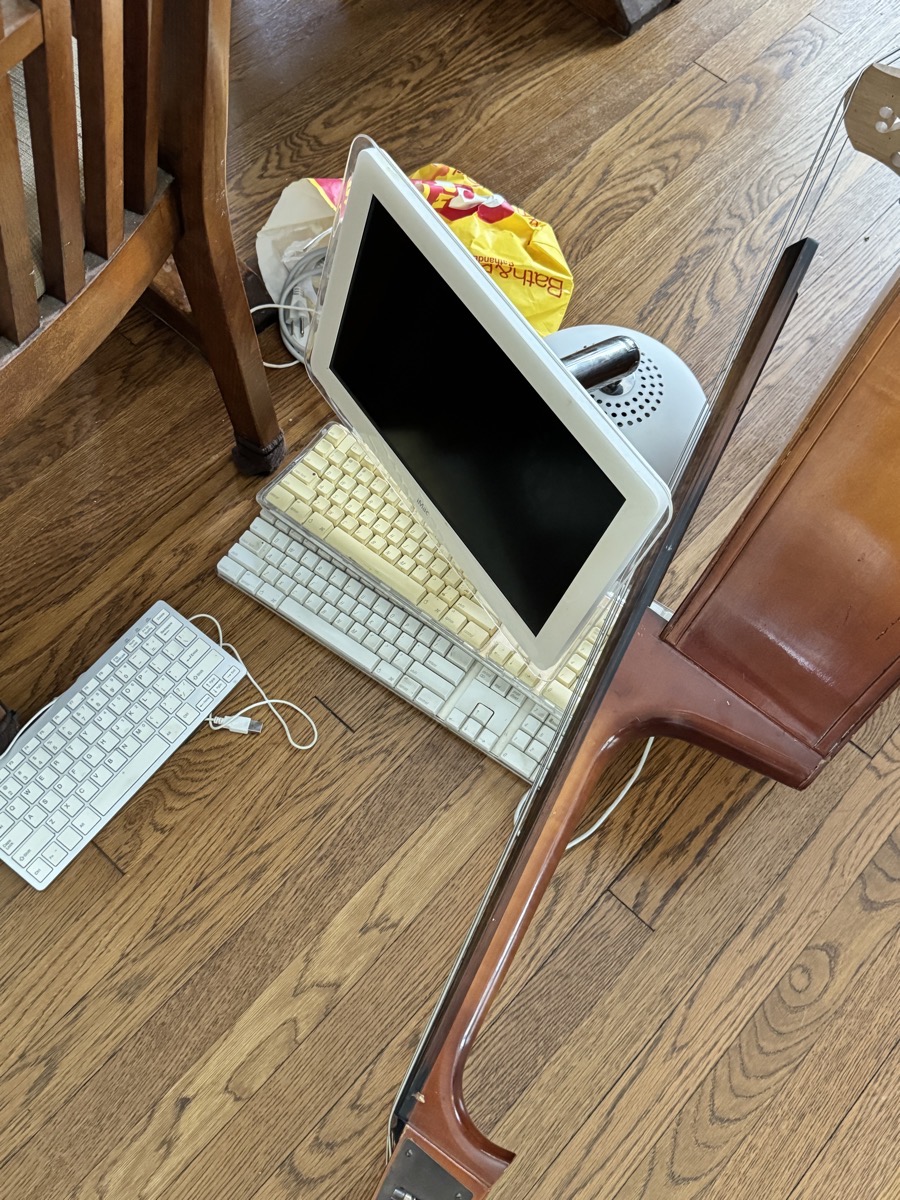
(641, 395)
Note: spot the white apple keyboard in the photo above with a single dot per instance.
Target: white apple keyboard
(67, 775)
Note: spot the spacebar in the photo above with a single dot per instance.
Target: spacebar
(375, 565)
(120, 788)
(328, 635)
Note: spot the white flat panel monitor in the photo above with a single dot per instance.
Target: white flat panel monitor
(537, 496)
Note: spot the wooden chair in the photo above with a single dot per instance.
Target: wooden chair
(787, 643)
(151, 92)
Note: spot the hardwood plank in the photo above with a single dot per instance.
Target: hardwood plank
(262, 1118)
(611, 1142)
(729, 56)
(90, 880)
(795, 1066)
(862, 1155)
(872, 735)
(200, 899)
(329, 1157)
(689, 840)
(533, 73)
(542, 1009)
(844, 14)
(301, 1006)
(775, 839)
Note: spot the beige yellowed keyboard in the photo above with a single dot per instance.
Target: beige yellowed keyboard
(338, 492)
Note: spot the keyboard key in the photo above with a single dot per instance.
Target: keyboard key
(193, 654)
(445, 669)
(408, 687)
(167, 630)
(34, 816)
(17, 807)
(32, 846)
(54, 854)
(115, 761)
(14, 837)
(70, 838)
(519, 762)
(389, 674)
(430, 701)
(434, 683)
(172, 730)
(39, 870)
(85, 821)
(375, 565)
(57, 821)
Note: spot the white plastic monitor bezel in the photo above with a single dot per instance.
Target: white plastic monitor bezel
(647, 503)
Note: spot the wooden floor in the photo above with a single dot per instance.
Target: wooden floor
(219, 998)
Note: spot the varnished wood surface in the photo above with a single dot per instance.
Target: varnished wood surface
(222, 994)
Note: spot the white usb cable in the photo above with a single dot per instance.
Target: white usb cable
(240, 723)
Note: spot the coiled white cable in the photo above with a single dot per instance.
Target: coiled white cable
(298, 295)
(238, 722)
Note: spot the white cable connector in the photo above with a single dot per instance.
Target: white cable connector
(236, 724)
(239, 722)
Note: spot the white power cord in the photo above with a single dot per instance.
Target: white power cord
(240, 723)
(298, 295)
(588, 833)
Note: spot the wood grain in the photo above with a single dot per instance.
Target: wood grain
(764, 1081)
(779, 839)
(230, 983)
(50, 88)
(18, 307)
(100, 93)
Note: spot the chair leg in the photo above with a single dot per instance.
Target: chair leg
(209, 270)
(9, 726)
(192, 148)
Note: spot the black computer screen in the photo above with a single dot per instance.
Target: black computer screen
(525, 497)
